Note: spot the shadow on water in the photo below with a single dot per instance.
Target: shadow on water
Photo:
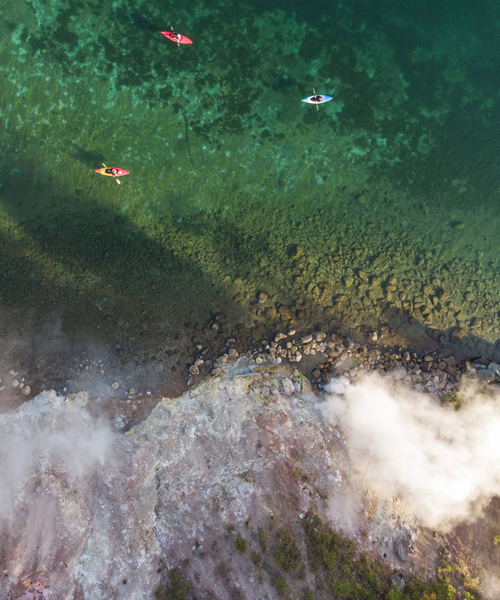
(106, 282)
(130, 291)
(86, 157)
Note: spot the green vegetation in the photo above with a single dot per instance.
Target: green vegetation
(222, 570)
(496, 540)
(246, 477)
(262, 534)
(350, 575)
(340, 571)
(241, 545)
(256, 559)
(394, 594)
(300, 379)
(453, 399)
(280, 585)
(177, 588)
(457, 574)
(286, 552)
(299, 473)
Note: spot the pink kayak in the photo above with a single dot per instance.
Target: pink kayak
(178, 38)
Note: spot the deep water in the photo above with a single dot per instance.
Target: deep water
(380, 207)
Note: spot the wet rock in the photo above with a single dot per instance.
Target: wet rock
(233, 353)
(459, 333)
(194, 370)
(316, 373)
(490, 374)
(279, 336)
(443, 340)
(26, 390)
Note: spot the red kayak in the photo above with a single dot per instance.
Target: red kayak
(178, 38)
(113, 172)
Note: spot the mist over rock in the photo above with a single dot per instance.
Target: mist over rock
(209, 482)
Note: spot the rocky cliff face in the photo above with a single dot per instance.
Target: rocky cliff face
(213, 492)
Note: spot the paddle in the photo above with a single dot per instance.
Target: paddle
(116, 178)
(176, 40)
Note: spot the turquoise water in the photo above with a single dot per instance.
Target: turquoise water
(378, 208)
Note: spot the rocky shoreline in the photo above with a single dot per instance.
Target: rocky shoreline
(322, 357)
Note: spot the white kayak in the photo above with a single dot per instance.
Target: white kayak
(317, 99)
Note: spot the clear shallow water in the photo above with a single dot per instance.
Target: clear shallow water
(381, 205)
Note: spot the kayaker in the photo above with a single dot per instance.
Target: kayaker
(111, 172)
(176, 36)
(316, 98)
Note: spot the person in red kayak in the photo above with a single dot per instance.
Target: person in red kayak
(177, 37)
(113, 172)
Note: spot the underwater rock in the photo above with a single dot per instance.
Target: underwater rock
(459, 333)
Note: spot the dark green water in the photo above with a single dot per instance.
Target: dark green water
(381, 206)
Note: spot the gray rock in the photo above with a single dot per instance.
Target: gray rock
(490, 374)
(288, 387)
(402, 548)
(398, 581)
